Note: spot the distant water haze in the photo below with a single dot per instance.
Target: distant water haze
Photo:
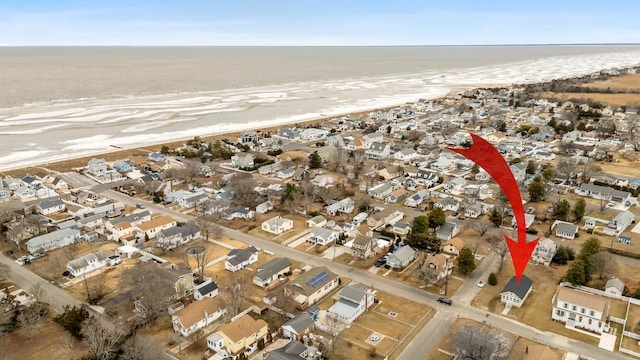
(58, 102)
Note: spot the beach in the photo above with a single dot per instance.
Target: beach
(91, 122)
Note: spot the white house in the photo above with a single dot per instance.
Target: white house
(416, 199)
(401, 257)
(50, 206)
(322, 236)
(614, 287)
(197, 315)
(544, 252)
(529, 219)
(622, 220)
(52, 240)
(175, 236)
(378, 150)
(311, 286)
(316, 221)
(447, 231)
(277, 225)
(566, 230)
(270, 271)
(473, 211)
(448, 204)
(354, 300)
(456, 184)
(514, 293)
(345, 205)
(242, 160)
(97, 167)
(88, 263)
(238, 259)
(264, 207)
(580, 310)
(405, 155)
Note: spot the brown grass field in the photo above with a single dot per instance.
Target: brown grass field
(395, 333)
(618, 83)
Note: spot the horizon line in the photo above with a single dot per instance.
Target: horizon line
(319, 46)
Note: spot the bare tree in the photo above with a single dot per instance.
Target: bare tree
(204, 225)
(482, 227)
(604, 201)
(38, 293)
(140, 348)
(98, 286)
(566, 169)
(54, 263)
(481, 344)
(30, 317)
(150, 289)
(334, 327)
(102, 342)
(499, 246)
(202, 258)
(236, 290)
(242, 187)
(603, 264)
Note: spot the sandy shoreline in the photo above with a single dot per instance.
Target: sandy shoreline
(124, 153)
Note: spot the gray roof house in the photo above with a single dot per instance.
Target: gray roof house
(264, 207)
(294, 350)
(52, 240)
(354, 300)
(447, 231)
(514, 294)
(50, 205)
(269, 272)
(238, 259)
(566, 230)
(401, 258)
(622, 220)
(177, 235)
(298, 327)
(322, 236)
(614, 287)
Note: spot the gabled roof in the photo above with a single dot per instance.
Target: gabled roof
(195, 311)
(299, 323)
(321, 232)
(207, 288)
(582, 299)
(272, 267)
(309, 282)
(616, 283)
(291, 351)
(521, 289)
(241, 328)
(238, 256)
(354, 293)
(455, 242)
(154, 223)
(49, 203)
(404, 253)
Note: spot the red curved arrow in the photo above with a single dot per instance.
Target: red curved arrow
(488, 158)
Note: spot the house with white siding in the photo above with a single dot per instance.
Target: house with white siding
(580, 309)
(52, 240)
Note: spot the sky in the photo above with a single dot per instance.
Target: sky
(316, 23)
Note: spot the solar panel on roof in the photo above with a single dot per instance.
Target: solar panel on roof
(318, 279)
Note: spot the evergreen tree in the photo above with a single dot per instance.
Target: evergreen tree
(437, 217)
(531, 167)
(561, 209)
(493, 279)
(466, 262)
(578, 273)
(71, 319)
(536, 190)
(315, 161)
(578, 209)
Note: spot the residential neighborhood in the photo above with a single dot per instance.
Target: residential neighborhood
(347, 236)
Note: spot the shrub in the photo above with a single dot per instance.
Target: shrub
(493, 279)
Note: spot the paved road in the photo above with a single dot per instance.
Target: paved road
(27, 279)
(429, 336)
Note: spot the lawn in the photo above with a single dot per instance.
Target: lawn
(536, 310)
(395, 332)
(47, 340)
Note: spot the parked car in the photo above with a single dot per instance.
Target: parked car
(480, 283)
(140, 206)
(445, 300)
